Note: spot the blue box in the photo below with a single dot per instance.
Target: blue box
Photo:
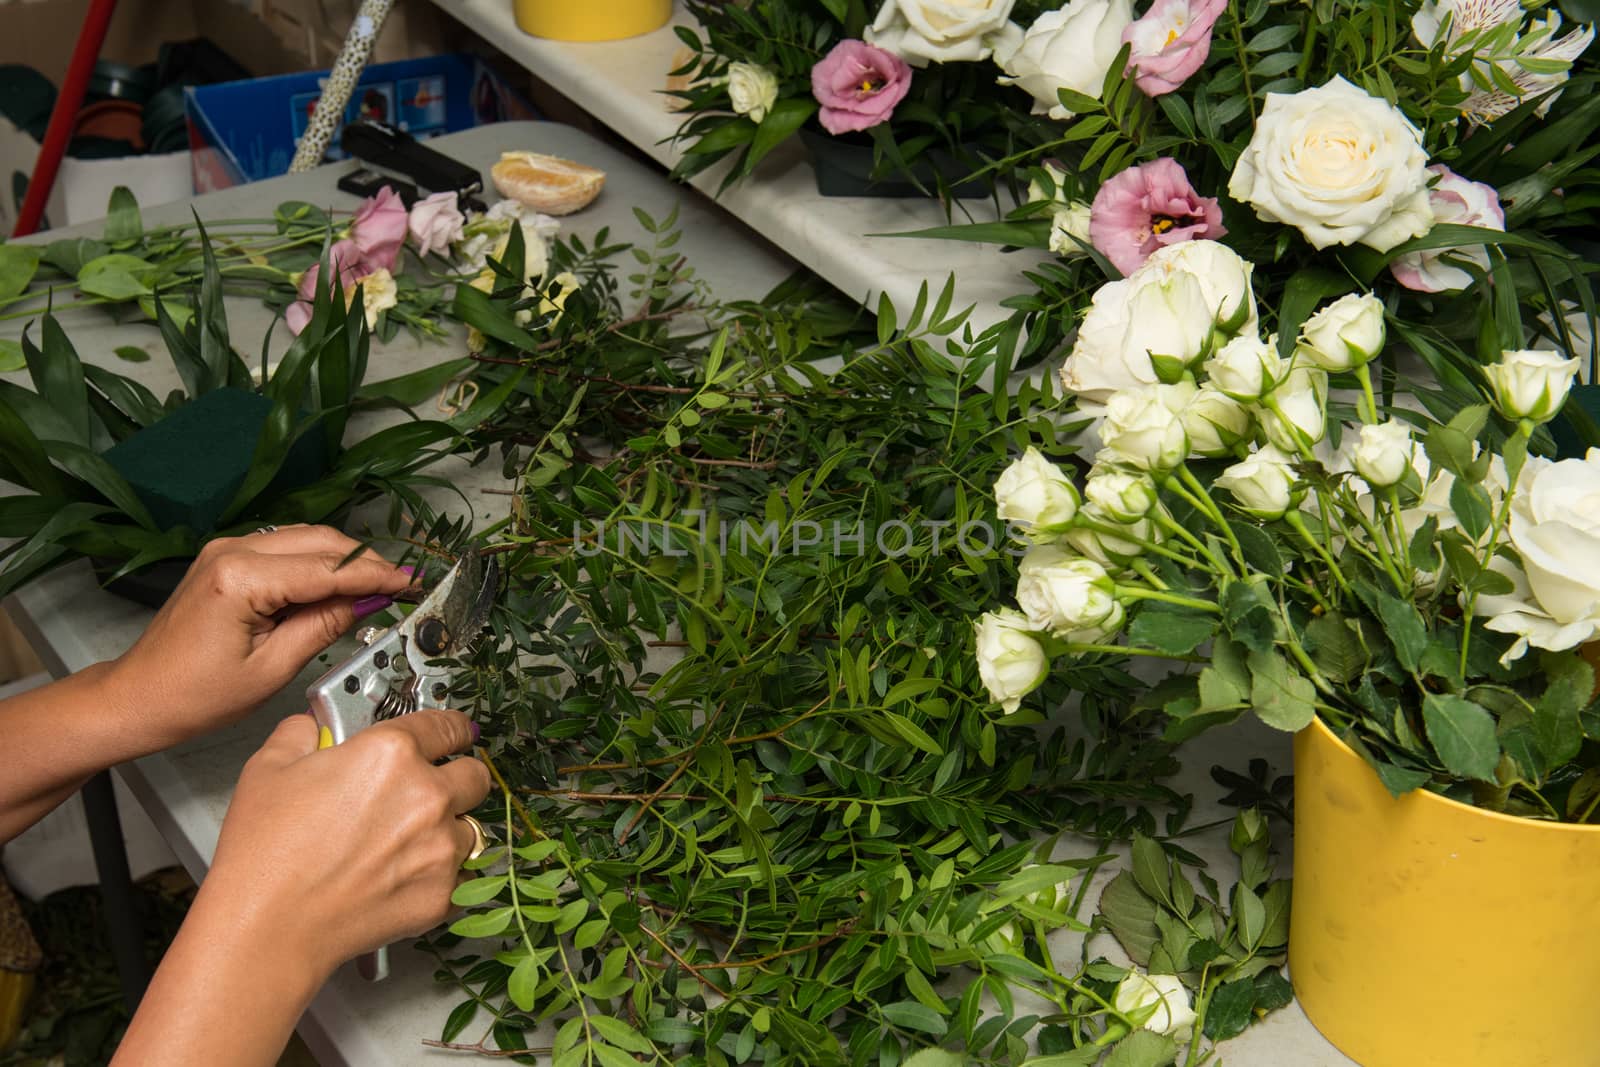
(246, 130)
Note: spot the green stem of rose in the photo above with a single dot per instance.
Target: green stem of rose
(1134, 592)
(1123, 533)
(1301, 444)
(1502, 518)
(1173, 526)
(1200, 498)
(1298, 525)
(1364, 376)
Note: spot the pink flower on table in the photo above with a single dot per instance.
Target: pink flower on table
(345, 258)
(1457, 200)
(858, 86)
(436, 223)
(1148, 207)
(1170, 42)
(379, 230)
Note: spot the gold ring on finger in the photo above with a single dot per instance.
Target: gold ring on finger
(480, 836)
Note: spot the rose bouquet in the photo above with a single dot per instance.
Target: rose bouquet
(914, 79)
(1424, 587)
(1437, 153)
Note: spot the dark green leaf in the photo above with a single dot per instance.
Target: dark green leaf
(1463, 734)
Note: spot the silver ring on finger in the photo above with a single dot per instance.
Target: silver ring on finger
(269, 528)
(480, 837)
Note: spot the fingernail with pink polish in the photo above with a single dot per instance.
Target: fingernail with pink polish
(369, 605)
(476, 731)
(408, 568)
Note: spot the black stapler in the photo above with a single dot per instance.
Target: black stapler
(392, 157)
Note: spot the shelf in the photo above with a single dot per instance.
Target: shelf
(620, 84)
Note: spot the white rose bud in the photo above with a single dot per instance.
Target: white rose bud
(1066, 223)
(1216, 423)
(1037, 495)
(1142, 431)
(1383, 453)
(753, 89)
(1247, 368)
(1125, 496)
(1011, 662)
(1302, 415)
(1067, 595)
(1057, 193)
(1263, 485)
(1170, 321)
(1531, 383)
(1138, 993)
(1347, 333)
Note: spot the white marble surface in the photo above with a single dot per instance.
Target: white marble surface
(186, 790)
(620, 84)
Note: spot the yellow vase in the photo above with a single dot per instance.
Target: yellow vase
(591, 20)
(1428, 933)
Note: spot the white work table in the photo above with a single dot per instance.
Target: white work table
(73, 623)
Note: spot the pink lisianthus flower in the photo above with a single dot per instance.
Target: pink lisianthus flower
(1148, 207)
(345, 258)
(436, 222)
(1457, 200)
(379, 230)
(1170, 42)
(858, 86)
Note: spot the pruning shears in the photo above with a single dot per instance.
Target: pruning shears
(405, 668)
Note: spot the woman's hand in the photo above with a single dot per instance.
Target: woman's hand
(251, 612)
(324, 855)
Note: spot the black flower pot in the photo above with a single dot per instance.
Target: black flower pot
(843, 167)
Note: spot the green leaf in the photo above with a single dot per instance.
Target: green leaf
(620, 1033)
(1463, 734)
(914, 1016)
(460, 1016)
(1405, 628)
(117, 277)
(1143, 1048)
(912, 733)
(1332, 643)
(22, 456)
(471, 894)
(1230, 1010)
(483, 924)
(1025, 233)
(1028, 881)
(1283, 698)
(58, 375)
(934, 1057)
(1131, 915)
(523, 984)
(18, 265)
(779, 124)
(123, 223)
(1151, 868)
(11, 357)
(132, 354)
(1171, 629)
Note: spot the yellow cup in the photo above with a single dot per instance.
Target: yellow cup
(1428, 933)
(591, 20)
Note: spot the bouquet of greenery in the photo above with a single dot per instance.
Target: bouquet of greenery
(1299, 558)
(912, 78)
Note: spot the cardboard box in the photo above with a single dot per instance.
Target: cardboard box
(245, 131)
(314, 30)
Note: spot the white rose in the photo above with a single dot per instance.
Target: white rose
(1066, 595)
(753, 89)
(1011, 662)
(1161, 995)
(1339, 165)
(1071, 48)
(1455, 200)
(1247, 368)
(1216, 423)
(1224, 278)
(1383, 453)
(1579, 330)
(1143, 431)
(1102, 537)
(1531, 383)
(1036, 495)
(1555, 528)
(1069, 224)
(1058, 187)
(1263, 484)
(1347, 333)
(1298, 415)
(941, 30)
(1159, 318)
(1125, 496)
(379, 293)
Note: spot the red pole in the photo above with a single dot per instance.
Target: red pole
(65, 115)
